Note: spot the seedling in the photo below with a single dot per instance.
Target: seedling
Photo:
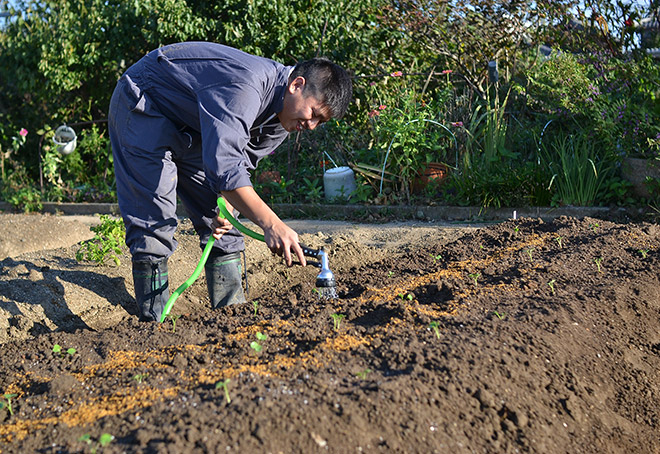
(103, 441)
(435, 326)
(362, 375)
(644, 252)
(436, 257)
(529, 252)
(597, 262)
(558, 240)
(224, 386)
(336, 320)
(255, 305)
(475, 277)
(390, 273)
(140, 377)
(406, 296)
(256, 346)
(173, 318)
(57, 348)
(516, 229)
(8, 398)
(500, 316)
(551, 284)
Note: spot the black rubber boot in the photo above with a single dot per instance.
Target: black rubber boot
(223, 279)
(151, 289)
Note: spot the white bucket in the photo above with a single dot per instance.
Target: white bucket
(65, 139)
(339, 182)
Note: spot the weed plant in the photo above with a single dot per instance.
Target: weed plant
(106, 244)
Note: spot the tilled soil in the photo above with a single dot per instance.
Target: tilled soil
(525, 336)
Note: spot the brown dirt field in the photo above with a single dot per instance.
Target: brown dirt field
(522, 336)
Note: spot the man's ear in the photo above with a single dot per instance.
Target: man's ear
(297, 84)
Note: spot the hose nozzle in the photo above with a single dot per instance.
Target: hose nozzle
(325, 281)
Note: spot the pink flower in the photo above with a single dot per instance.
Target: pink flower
(457, 124)
(373, 113)
(23, 132)
(382, 107)
(447, 71)
(396, 74)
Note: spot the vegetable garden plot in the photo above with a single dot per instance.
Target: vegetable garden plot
(519, 337)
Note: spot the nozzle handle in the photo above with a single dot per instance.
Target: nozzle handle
(309, 252)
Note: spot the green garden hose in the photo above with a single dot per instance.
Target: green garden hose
(325, 280)
(224, 213)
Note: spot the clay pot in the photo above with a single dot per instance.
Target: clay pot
(269, 176)
(433, 171)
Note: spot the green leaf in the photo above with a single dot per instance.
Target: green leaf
(106, 439)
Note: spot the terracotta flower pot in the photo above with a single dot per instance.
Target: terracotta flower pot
(433, 171)
(269, 176)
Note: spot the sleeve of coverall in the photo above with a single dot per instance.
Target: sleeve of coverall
(226, 115)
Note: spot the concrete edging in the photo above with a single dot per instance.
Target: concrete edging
(376, 212)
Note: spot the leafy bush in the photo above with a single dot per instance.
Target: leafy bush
(107, 242)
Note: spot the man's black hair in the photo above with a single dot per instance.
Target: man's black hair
(327, 82)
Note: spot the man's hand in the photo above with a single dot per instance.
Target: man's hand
(220, 225)
(279, 237)
(283, 241)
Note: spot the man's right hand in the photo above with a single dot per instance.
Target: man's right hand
(279, 237)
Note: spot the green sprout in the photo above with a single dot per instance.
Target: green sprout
(475, 277)
(362, 375)
(317, 291)
(594, 226)
(224, 385)
(173, 318)
(529, 252)
(57, 348)
(558, 240)
(255, 305)
(390, 273)
(140, 377)
(500, 316)
(516, 229)
(256, 346)
(644, 252)
(103, 441)
(435, 326)
(598, 261)
(436, 257)
(8, 398)
(551, 284)
(336, 320)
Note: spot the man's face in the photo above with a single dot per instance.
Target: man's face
(299, 111)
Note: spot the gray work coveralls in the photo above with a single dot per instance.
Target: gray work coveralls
(190, 119)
